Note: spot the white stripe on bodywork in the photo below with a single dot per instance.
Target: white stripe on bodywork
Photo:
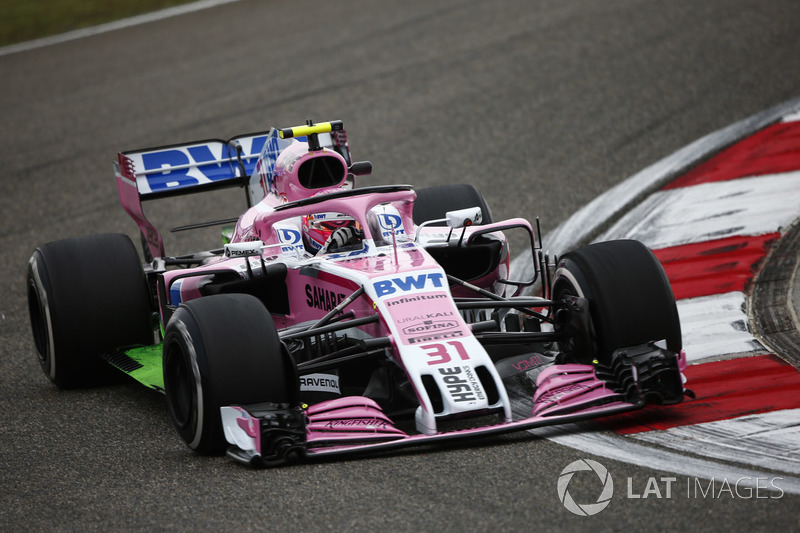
(747, 206)
(716, 327)
(766, 440)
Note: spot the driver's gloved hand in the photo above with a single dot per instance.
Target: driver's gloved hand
(343, 237)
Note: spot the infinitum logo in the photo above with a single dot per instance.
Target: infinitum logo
(585, 509)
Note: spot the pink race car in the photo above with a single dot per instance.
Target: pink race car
(337, 319)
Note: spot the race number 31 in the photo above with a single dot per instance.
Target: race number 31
(441, 353)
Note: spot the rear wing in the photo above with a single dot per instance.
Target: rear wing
(245, 161)
(192, 167)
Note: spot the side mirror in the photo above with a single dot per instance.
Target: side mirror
(460, 218)
(360, 168)
(464, 217)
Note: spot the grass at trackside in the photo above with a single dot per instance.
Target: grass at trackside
(23, 20)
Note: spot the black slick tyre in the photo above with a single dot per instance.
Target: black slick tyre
(87, 296)
(222, 350)
(433, 202)
(630, 298)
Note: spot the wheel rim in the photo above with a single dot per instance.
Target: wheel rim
(37, 323)
(567, 285)
(179, 386)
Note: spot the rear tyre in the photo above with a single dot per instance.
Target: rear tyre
(433, 202)
(629, 295)
(86, 296)
(222, 350)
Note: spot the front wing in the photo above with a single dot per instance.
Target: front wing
(271, 434)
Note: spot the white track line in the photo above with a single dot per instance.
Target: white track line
(611, 205)
(593, 218)
(602, 213)
(715, 327)
(708, 211)
(794, 117)
(625, 450)
(112, 26)
(763, 441)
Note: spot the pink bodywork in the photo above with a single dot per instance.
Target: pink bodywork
(404, 286)
(356, 423)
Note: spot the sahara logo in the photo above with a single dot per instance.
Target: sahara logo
(586, 509)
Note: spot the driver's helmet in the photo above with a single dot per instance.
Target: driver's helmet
(319, 228)
(300, 173)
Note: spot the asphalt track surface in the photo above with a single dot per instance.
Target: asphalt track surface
(542, 104)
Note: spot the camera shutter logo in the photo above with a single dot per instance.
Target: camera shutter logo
(586, 509)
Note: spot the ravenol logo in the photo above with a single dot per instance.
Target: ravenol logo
(586, 509)
(408, 283)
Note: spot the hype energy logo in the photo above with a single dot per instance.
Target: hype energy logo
(604, 482)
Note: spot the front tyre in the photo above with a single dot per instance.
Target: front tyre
(87, 296)
(629, 296)
(222, 350)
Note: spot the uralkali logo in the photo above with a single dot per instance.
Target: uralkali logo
(585, 509)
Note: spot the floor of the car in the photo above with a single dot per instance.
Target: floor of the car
(142, 364)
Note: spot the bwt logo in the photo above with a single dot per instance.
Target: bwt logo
(407, 283)
(178, 163)
(290, 239)
(390, 223)
(288, 236)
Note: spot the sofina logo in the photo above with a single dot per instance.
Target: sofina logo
(586, 509)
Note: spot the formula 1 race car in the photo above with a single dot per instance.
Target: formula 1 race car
(336, 319)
